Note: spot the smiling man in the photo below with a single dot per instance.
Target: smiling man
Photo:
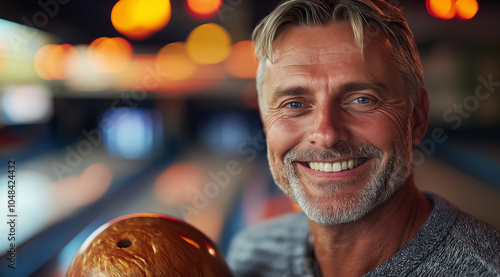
(342, 102)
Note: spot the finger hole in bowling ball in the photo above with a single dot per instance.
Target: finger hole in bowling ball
(124, 243)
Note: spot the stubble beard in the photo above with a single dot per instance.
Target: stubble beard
(383, 183)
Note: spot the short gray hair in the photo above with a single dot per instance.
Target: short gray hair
(311, 13)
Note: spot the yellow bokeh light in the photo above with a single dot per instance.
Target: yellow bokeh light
(204, 7)
(241, 62)
(109, 55)
(208, 44)
(140, 19)
(56, 62)
(467, 9)
(444, 9)
(174, 60)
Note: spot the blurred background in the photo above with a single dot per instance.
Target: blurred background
(116, 107)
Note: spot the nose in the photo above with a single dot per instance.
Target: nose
(329, 127)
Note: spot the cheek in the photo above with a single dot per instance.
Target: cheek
(282, 136)
(382, 129)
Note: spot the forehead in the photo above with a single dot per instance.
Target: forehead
(324, 53)
(322, 40)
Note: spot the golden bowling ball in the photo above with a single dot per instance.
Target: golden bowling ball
(148, 245)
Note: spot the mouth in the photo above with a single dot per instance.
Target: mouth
(336, 166)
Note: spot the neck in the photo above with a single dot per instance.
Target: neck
(356, 248)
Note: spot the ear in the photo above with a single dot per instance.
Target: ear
(420, 117)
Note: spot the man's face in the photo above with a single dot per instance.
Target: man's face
(338, 126)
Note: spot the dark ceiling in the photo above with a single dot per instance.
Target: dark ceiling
(82, 21)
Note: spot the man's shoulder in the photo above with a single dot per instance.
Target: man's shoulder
(473, 234)
(450, 243)
(477, 238)
(470, 247)
(271, 246)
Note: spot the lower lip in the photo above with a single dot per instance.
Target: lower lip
(345, 174)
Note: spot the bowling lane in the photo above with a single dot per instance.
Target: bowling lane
(49, 199)
(206, 198)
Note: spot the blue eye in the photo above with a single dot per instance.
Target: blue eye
(295, 105)
(362, 100)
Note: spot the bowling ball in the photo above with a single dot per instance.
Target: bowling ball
(148, 245)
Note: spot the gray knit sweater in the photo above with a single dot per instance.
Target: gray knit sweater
(450, 243)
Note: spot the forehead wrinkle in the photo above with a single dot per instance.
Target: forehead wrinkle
(320, 54)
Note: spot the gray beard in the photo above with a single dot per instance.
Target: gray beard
(384, 182)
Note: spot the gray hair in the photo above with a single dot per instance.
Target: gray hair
(374, 13)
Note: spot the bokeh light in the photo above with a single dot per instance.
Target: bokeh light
(25, 104)
(109, 55)
(34, 207)
(140, 19)
(204, 7)
(56, 62)
(208, 44)
(448, 9)
(174, 61)
(444, 9)
(179, 183)
(76, 191)
(132, 132)
(466, 9)
(241, 62)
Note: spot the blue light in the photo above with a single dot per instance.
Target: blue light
(131, 133)
(225, 132)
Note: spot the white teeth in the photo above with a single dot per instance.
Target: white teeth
(344, 165)
(335, 167)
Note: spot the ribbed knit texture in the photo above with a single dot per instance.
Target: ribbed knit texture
(450, 243)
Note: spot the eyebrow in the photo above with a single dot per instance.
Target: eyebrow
(344, 88)
(358, 86)
(294, 91)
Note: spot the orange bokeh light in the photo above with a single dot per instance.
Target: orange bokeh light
(56, 62)
(208, 44)
(448, 9)
(204, 7)
(140, 19)
(467, 9)
(109, 55)
(174, 60)
(241, 62)
(88, 187)
(444, 9)
(179, 183)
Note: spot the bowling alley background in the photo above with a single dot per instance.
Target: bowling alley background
(110, 108)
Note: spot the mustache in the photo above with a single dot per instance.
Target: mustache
(344, 152)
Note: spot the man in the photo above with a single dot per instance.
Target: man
(342, 102)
